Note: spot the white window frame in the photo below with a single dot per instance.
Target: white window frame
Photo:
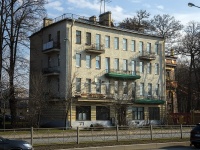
(78, 60)
(149, 68)
(116, 43)
(148, 48)
(116, 64)
(124, 44)
(125, 65)
(98, 62)
(156, 68)
(141, 67)
(149, 89)
(141, 89)
(88, 61)
(107, 41)
(133, 45)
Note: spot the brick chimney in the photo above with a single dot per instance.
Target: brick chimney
(93, 19)
(105, 19)
(47, 21)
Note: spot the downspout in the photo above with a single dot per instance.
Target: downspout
(70, 70)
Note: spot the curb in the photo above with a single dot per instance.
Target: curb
(135, 146)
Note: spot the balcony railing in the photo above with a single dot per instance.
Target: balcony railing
(51, 46)
(122, 74)
(51, 71)
(147, 56)
(171, 62)
(95, 48)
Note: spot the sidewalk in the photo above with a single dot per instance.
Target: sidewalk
(134, 146)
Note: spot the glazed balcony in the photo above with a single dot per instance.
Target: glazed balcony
(50, 47)
(51, 71)
(95, 48)
(121, 74)
(147, 56)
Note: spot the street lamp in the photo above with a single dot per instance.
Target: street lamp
(192, 5)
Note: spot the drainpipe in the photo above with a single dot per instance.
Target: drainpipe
(70, 69)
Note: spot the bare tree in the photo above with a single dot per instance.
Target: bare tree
(19, 19)
(138, 22)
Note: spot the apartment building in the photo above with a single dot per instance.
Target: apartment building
(102, 69)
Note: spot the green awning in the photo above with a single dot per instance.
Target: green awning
(149, 101)
(122, 76)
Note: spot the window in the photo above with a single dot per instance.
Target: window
(58, 84)
(98, 62)
(138, 113)
(49, 38)
(58, 56)
(141, 89)
(156, 68)
(78, 60)
(107, 42)
(133, 45)
(116, 65)
(149, 89)
(107, 84)
(154, 113)
(116, 42)
(107, 63)
(157, 89)
(156, 49)
(148, 48)
(125, 65)
(125, 44)
(102, 113)
(149, 68)
(88, 61)
(141, 67)
(88, 85)
(58, 39)
(125, 88)
(49, 61)
(116, 87)
(78, 84)
(88, 38)
(78, 37)
(98, 41)
(133, 89)
(141, 47)
(98, 86)
(133, 66)
(83, 112)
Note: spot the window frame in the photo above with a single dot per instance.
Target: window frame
(138, 113)
(78, 60)
(107, 41)
(81, 110)
(78, 37)
(88, 38)
(125, 46)
(133, 45)
(116, 43)
(88, 61)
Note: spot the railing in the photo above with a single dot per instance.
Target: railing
(50, 45)
(95, 48)
(147, 55)
(171, 62)
(46, 136)
(127, 72)
(51, 70)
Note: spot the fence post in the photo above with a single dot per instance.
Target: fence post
(117, 133)
(32, 136)
(181, 129)
(151, 132)
(77, 135)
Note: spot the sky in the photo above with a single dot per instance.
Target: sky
(122, 9)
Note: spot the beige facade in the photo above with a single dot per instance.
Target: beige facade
(106, 66)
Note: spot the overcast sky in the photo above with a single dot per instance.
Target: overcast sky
(122, 9)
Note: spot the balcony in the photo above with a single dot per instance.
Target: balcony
(172, 84)
(50, 47)
(95, 48)
(149, 100)
(147, 56)
(121, 74)
(96, 97)
(51, 71)
(171, 63)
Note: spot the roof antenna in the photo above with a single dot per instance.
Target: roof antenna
(104, 2)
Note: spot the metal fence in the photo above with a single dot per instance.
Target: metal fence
(44, 136)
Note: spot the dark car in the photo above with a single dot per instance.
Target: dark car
(6, 144)
(195, 136)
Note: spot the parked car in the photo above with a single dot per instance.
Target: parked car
(195, 136)
(7, 144)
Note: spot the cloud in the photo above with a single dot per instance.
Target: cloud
(136, 1)
(160, 7)
(186, 18)
(118, 13)
(57, 5)
(147, 5)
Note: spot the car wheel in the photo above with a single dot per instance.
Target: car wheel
(197, 145)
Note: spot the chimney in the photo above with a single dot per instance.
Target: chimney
(47, 21)
(105, 19)
(93, 19)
